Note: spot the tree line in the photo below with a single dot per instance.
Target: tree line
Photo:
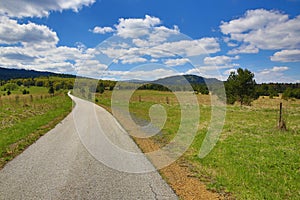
(9, 74)
(56, 82)
(240, 86)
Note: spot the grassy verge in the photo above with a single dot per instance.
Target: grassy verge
(252, 159)
(24, 118)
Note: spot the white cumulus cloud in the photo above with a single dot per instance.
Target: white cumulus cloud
(11, 32)
(192, 47)
(148, 75)
(177, 62)
(136, 27)
(219, 60)
(244, 48)
(274, 74)
(263, 29)
(274, 69)
(132, 59)
(90, 67)
(39, 8)
(145, 40)
(287, 56)
(102, 30)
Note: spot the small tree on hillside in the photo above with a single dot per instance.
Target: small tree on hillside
(240, 87)
(51, 90)
(100, 88)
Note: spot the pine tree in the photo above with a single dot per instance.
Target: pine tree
(240, 87)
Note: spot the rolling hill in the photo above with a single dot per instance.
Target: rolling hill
(182, 80)
(7, 74)
(178, 80)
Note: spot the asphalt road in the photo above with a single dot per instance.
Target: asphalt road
(59, 166)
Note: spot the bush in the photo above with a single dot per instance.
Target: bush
(11, 86)
(25, 92)
(51, 90)
(291, 93)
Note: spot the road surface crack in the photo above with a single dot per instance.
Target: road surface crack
(153, 191)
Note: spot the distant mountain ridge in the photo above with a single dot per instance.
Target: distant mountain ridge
(185, 79)
(7, 74)
(178, 80)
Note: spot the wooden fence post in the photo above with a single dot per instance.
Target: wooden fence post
(281, 122)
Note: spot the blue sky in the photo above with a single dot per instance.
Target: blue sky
(207, 38)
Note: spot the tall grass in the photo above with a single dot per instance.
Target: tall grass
(24, 118)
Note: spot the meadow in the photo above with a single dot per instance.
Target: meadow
(26, 117)
(252, 159)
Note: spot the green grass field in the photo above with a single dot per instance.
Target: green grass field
(252, 159)
(24, 118)
(34, 90)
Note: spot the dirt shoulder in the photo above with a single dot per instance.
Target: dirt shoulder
(179, 177)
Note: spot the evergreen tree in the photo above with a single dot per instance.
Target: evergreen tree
(51, 90)
(240, 87)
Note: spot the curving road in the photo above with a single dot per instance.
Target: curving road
(59, 166)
